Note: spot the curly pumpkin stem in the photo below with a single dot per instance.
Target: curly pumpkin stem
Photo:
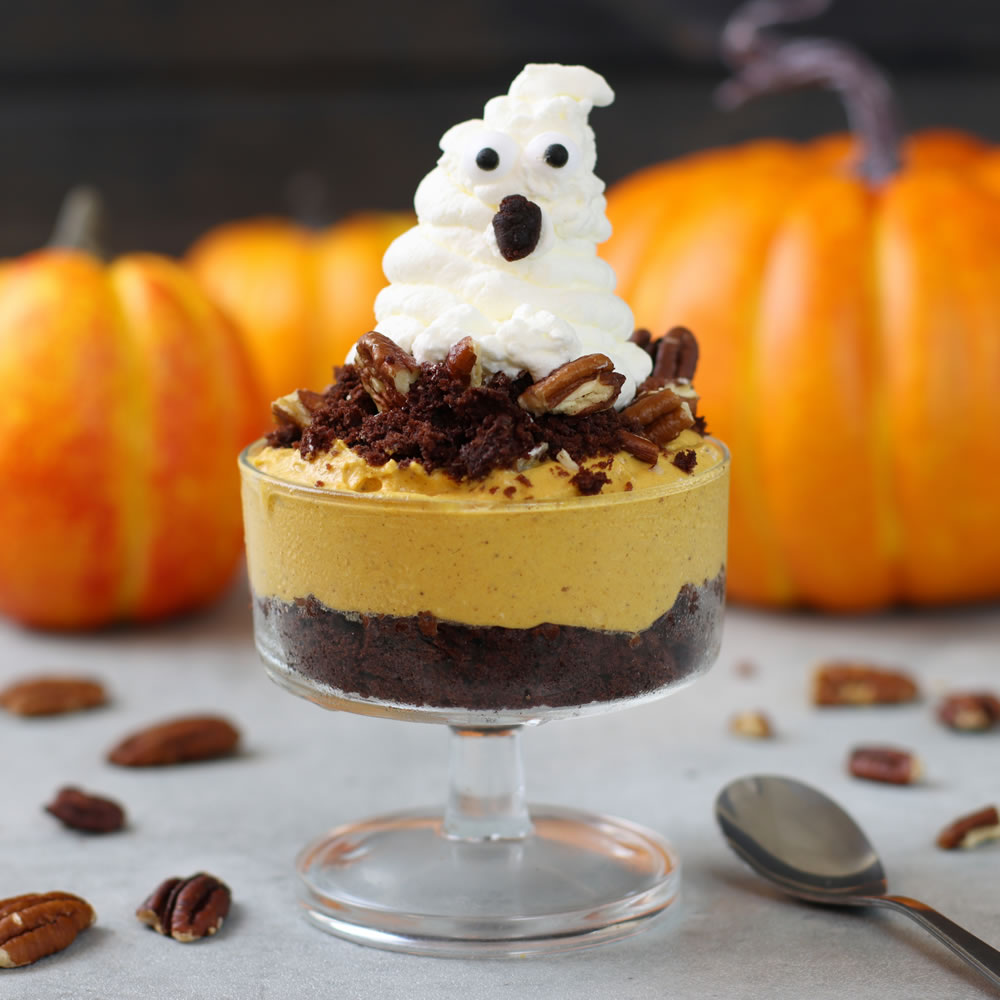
(80, 222)
(764, 63)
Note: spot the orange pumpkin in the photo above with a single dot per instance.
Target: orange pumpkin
(301, 298)
(126, 397)
(850, 336)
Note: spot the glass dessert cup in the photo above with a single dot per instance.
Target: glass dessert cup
(429, 609)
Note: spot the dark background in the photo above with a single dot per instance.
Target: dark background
(186, 113)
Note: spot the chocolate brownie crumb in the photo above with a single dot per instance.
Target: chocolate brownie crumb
(699, 426)
(466, 431)
(686, 460)
(590, 481)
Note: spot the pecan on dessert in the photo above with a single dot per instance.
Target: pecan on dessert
(676, 355)
(463, 362)
(297, 408)
(584, 385)
(40, 924)
(187, 909)
(640, 447)
(661, 413)
(385, 369)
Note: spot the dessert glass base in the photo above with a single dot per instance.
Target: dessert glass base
(466, 636)
(572, 880)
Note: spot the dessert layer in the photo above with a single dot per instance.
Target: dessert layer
(420, 660)
(608, 562)
(342, 469)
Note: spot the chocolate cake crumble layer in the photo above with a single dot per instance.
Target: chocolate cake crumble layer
(468, 431)
(423, 661)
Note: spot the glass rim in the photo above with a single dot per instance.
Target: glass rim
(468, 502)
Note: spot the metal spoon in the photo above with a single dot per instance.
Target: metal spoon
(806, 844)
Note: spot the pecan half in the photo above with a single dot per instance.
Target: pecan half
(971, 830)
(187, 909)
(641, 337)
(584, 385)
(178, 741)
(676, 355)
(40, 924)
(842, 682)
(52, 695)
(297, 408)
(463, 363)
(386, 371)
(81, 811)
(970, 712)
(641, 447)
(886, 764)
(662, 414)
(752, 725)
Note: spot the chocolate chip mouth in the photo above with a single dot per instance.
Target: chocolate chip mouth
(517, 227)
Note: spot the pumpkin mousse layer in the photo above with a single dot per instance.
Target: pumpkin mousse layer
(616, 561)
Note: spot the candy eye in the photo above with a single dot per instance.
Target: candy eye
(554, 151)
(488, 156)
(556, 155)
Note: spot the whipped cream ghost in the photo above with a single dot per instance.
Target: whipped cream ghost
(505, 248)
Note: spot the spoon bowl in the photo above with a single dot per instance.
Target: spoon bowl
(806, 844)
(795, 836)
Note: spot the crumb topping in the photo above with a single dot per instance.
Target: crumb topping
(444, 416)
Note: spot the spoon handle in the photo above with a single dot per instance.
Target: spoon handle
(983, 958)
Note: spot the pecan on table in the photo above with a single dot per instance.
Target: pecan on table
(848, 682)
(970, 830)
(52, 695)
(187, 909)
(90, 813)
(178, 741)
(40, 924)
(886, 764)
(752, 725)
(969, 711)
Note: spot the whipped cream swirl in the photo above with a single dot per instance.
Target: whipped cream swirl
(448, 278)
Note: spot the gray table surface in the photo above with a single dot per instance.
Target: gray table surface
(303, 770)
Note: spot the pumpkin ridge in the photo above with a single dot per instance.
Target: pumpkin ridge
(135, 443)
(890, 527)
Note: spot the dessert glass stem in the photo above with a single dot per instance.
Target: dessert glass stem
(486, 785)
